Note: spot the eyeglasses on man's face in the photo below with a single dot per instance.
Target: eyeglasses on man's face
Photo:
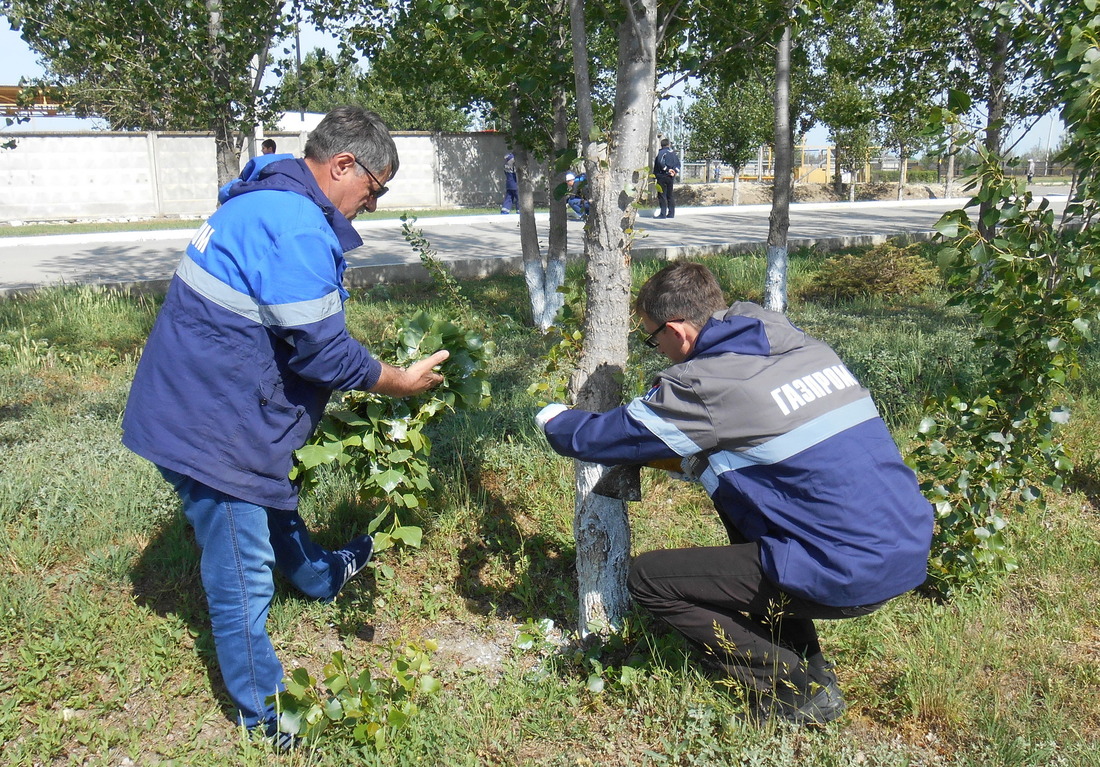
(651, 339)
(381, 189)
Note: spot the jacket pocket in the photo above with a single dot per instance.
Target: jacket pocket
(269, 433)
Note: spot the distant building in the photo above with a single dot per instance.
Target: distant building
(43, 115)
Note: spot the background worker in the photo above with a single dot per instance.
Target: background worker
(666, 167)
(511, 185)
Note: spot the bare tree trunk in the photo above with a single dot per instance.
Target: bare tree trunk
(996, 104)
(947, 190)
(542, 278)
(736, 184)
(903, 172)
(775, 281)
(558, 242)
(617, 176)
(224, 139)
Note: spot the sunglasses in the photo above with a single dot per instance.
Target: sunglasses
(651, 339)
(381, 190)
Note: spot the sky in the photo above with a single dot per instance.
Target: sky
(17, 60)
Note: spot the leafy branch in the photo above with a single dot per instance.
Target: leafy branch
(375, 710)
(381, 440)
(982, 454)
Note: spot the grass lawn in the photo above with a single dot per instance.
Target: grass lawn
(105, 648)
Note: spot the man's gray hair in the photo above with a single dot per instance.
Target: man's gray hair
(358, 131)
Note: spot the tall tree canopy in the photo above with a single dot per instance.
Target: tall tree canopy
(326, 80)
(158, 64)
(730, 121)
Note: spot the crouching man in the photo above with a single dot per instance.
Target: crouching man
(824, 518)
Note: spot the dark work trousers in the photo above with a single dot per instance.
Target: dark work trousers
(665, 196)
(765, 638)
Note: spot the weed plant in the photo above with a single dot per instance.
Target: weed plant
(105, 648)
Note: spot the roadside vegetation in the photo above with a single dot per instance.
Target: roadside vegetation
(105, 648)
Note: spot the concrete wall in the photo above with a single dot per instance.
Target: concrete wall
(102, 175)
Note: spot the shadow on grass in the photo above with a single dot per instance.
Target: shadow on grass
(166, 580)
(1085, 478)
(507, 565)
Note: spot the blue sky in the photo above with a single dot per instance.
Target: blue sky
(16, 60)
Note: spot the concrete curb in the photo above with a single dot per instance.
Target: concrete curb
(437, 221)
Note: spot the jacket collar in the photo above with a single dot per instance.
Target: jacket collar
(293, 175)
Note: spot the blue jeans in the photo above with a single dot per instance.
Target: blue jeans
(242, 545)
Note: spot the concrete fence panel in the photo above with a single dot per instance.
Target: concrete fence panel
(77, 175)
(106, 175)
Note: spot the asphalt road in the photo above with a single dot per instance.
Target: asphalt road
(473, 245)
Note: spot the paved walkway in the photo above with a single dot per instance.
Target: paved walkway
(471, 245)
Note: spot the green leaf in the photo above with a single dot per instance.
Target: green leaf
(958, 101)
(595, 684)
(388, 480)
(410, 535)
(311, 456)
(290, 722)
(334, 710)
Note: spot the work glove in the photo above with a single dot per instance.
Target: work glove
(549, 412)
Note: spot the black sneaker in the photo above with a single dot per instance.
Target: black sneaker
(355, 557)
(826, 705)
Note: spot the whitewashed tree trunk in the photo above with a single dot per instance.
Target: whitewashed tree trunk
(775, 279)
(903, 173)
(543, 277)
(618, 171)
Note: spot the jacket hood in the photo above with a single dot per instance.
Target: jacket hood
(746, 328)
(284, 173)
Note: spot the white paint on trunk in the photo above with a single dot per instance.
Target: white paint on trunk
(602, 532)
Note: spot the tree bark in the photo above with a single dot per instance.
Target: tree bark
(775, 281)
(903, 170)
(558, 237)
(950, 179)
(996, 111)
(541, 290)
(617, 175)
(221, 125)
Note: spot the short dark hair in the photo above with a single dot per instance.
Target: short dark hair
(356, 130)
(665, 142)
(268, 144)
(683, 290)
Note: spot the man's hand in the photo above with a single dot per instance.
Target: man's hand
(415, 379)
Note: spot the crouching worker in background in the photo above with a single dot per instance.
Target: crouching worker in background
(245, 352)
(825, 520)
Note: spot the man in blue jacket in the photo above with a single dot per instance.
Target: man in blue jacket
(824, 518)
(247, 348)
